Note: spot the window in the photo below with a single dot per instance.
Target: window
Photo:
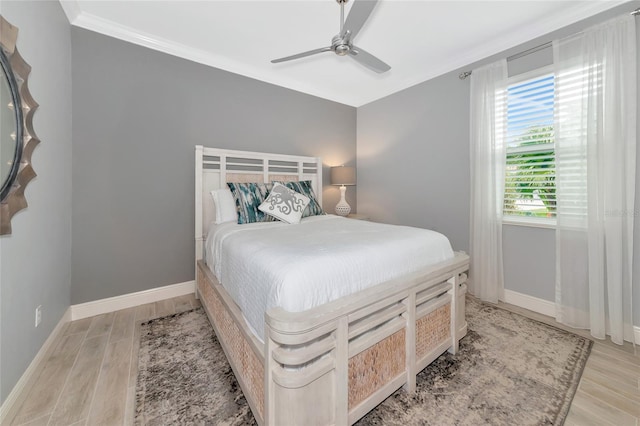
(530, 190)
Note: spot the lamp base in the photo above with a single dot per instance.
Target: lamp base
(343, 208)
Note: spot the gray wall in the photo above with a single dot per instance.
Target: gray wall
(529, 256)
(413, 168)
(413, 161)
(36, 260)
(138, 114)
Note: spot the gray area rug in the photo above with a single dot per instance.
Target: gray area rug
(510, 370)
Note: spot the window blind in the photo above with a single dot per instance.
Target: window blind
(530, 155)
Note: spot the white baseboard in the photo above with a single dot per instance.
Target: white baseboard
(534, 304)
(8, 406)
(545, 307)
(111, 304)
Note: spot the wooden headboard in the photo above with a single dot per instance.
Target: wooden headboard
(215, 167)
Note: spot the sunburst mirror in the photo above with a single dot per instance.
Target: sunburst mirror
(17, 138)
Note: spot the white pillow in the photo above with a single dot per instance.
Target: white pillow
(225, 206)
(285, 204)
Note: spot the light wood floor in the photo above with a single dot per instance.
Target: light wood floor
(90, 374)
(89, 377)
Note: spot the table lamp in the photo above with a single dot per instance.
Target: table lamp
(343, 176)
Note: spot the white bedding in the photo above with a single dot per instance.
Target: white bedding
(297, 267)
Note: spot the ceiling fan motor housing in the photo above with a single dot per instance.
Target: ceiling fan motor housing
(340, 46)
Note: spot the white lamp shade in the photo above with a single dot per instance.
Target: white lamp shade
(343, 175)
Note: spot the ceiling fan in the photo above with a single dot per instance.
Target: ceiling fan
(341, 43)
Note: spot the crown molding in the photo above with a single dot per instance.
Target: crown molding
(71, 8)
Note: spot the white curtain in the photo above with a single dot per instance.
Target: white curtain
(595, 130)
(488, 109)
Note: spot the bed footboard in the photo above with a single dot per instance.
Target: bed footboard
(334, 363)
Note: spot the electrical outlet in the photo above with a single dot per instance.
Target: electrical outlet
(38, 315)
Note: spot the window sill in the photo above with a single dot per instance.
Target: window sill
(530, 222)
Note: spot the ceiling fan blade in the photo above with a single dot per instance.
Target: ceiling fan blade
(358, 15)
(368, 60)
(302, 55)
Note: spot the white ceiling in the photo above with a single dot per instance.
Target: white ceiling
(419, 39)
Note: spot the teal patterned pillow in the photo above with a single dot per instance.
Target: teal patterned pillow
(248, 197)
(304, 187)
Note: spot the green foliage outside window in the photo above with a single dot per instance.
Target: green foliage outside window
(530, 174)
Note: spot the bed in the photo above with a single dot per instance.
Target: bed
(333, 362)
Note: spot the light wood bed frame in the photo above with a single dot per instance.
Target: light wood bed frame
(334, 363)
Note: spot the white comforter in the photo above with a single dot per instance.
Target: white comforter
(297, 267)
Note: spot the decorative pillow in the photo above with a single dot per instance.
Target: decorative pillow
(248, 197)
(225, 205)
(304, 187)
(285, 204)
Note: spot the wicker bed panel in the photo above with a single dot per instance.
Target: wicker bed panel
(433, 329)
(283, 178)
(246, 361)
(245, 177)
(253, 371)
(373, 368)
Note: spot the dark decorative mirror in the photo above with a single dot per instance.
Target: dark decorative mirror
(17, 138)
